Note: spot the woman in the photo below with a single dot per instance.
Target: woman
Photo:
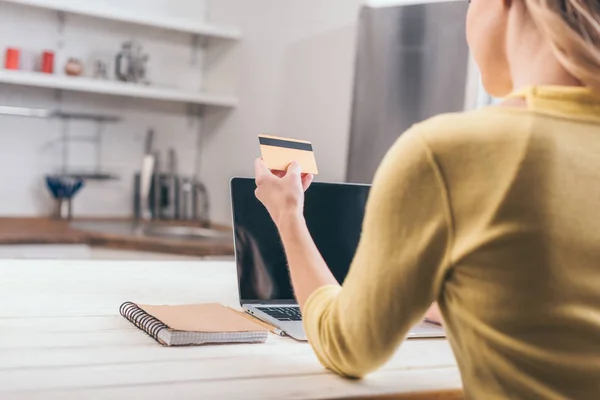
(494, 214)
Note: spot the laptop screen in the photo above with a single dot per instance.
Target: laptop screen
(334, 215)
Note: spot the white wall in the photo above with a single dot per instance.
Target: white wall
(294, 71)
(28, 147)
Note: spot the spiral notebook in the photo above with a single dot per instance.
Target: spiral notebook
(192, 325)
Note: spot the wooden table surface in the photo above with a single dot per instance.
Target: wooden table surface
(61, 337)
(15, 231)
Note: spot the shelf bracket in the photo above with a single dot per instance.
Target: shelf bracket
(62, 23)
(194, 113)
(195, 50)
(198, 43)
(65, 144)
(98, 143)
(58, 97)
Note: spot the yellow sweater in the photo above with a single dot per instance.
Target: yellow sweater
(495, 214)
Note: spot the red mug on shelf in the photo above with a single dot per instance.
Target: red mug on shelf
(47, 64)
(12, 59)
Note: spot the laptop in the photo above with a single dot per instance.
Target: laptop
(334, 214)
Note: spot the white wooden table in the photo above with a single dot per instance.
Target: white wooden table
(61, 337)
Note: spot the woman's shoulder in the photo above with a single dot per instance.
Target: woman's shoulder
(481, 141)
(481, 137)
(483, 125)
(475, 131)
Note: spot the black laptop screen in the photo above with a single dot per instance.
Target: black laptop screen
(334, 215)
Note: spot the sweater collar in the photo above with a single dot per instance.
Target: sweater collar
(565, 101)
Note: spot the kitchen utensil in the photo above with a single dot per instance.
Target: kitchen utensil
(63, 187)
(47, 64)
(201, 206)
(100, 70)
(171, 206)
(12, 59)
(146, 174)
(186, 199)
(74, 67)
(137, 197)
(158, 199)
(63, 190)
(130, 65)
(157, 189)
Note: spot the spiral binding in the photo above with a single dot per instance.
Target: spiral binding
(141, 319)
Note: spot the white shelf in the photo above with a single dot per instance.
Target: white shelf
(87, 85)
(88, 8)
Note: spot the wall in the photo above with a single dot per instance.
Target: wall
(294, 72)
(29, 148)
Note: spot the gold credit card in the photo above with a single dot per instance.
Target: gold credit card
(278, 153)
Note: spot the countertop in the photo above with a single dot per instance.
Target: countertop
(62, 338)
(49, 231)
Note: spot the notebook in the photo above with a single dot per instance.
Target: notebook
(192, 325)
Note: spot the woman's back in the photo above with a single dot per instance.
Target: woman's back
(522, 294)
(495, 214)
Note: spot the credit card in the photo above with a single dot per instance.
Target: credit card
(278, 153)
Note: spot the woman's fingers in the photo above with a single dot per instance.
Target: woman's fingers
(261, 172)
(294, 171)
(307, 180)
(280, 191)
(260, 167)
(434, 314)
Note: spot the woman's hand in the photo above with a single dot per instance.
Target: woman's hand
(281, 192)
(434, 314)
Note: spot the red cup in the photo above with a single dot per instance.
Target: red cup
(48, 62)
(12, 59)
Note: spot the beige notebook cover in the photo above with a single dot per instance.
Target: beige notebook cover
(194, 324)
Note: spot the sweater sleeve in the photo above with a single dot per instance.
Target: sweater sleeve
(398, 268)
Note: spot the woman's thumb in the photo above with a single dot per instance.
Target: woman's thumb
(294, 169)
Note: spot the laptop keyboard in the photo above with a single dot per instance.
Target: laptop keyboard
(283, 313)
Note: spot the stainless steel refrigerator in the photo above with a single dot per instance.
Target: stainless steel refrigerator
(412, 63)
